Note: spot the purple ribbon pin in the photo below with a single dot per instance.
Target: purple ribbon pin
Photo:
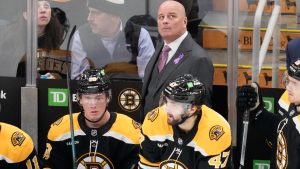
(178, 59)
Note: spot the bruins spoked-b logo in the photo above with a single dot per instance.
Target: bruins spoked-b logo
(170, 164)
(17, 138)
(94, 161)
(129, 99)
(282, 156)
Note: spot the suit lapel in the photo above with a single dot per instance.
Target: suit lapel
(179, 58)
(151, 66)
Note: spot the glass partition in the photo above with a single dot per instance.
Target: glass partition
(12, 36)
(82, 34)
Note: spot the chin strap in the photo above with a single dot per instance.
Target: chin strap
(184, 117)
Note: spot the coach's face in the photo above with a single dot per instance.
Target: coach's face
(171, 20)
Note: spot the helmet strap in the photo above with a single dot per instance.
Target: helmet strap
(184, 117)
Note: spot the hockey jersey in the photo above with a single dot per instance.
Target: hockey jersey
(288, 139)
(206, 146)
(114, 145)
(16, 149)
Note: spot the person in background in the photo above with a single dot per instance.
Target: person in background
(183, 132)
(17, 150)
(102, 41)
(50, 34)
(63, 20)
(191, 9)
(281, 129)
(103, 139)
(178, 54)
(292, 51)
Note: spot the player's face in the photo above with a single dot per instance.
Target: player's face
(293, 88)
(94, 105)
(171, 20)
(44, 13)
(175, 111)
(102, 23)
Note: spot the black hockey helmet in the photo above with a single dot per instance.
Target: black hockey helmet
(186, 89)
(294, 70)
(93, 81)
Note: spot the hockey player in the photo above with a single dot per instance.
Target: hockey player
(183, 132)
(16, 149)
(103, 139)
(281, 129)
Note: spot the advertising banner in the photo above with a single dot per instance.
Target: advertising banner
(10, 100)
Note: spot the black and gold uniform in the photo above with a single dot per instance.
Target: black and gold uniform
(282, 129)
(288, 140)
(206, 146)
(114, 145)
(287, 137)
(16, 149)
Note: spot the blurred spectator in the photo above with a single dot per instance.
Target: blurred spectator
(50, 34)
(292, 51)
(102, 42)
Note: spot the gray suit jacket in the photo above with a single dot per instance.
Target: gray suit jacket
(189, 58)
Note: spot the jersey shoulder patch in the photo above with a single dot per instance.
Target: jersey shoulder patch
(152, 115)
(14, 141)
(214, 133)
(155, 124)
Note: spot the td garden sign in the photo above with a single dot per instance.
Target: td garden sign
(129, 99)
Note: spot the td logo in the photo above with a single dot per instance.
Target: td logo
(261, 164)
(269, 103)
(58, 97)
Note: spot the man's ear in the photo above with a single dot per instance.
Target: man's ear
(185, 20)
(25, 15)
(193, 108)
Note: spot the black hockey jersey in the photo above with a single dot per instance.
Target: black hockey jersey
(16, 149)
(206, 146)
(288, 131)
(282, 130)
(114, 145)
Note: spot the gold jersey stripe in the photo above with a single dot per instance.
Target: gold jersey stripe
(284, 101)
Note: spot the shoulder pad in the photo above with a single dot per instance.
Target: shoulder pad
(214, 133)
(60, 129)
(125, 129)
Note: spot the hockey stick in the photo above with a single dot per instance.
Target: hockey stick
(245, 134)
(70, 100)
